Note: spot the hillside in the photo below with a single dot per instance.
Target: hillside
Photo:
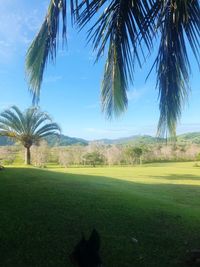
(5, 141)
(193, 138)
(63, 140)
(190, 138)
(135, 139)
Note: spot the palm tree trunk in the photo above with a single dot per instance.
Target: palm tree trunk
(27, 156)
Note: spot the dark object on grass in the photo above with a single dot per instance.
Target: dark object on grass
(1, 168)
(193, 257)
(86, 252)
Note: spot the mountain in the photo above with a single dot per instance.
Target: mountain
(62, 140)
(135, 139)
(193, 138)
(187, 138)
(5, 141)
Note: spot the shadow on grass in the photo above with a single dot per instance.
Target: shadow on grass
(43, 213)
(178, 177)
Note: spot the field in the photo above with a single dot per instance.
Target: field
(43, 212)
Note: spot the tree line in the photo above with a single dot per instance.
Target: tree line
(97, 154)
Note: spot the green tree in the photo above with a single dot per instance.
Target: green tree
(93, 158)
(134, 154)
(198, 157)
(27, 127)
(127, 31)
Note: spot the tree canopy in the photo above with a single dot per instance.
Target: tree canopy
(27, 127)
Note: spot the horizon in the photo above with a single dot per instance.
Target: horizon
(124, 137)
(71, 87)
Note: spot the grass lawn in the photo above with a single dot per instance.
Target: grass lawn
(43, 212)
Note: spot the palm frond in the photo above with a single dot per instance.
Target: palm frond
(177, 19)
(49, 128)
(11, 119)
(28, 127)
(120, 27)
(114, 85)
(8, 133)
(44, 46)
(39, 120)
(125, 30)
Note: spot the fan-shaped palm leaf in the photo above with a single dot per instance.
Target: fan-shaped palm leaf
(27, 127)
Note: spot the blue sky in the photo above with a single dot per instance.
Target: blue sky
(71, 87)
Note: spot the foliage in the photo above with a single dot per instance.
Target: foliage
(198, 157)
(127, 32)
(134, 154)
(111, 154)
(66, 158)
(7, 155)
(114, 155)
(189, 138)
(40, 155)
(27, 127)
(93, 158)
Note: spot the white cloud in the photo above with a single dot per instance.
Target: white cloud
(52, 79)
(18, 24)
(111, 132)
(125, 130)
(93, 106)
(136, 94)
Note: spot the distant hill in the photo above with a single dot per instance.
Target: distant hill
(189, 138)
(5, 141)
(62, 140)
(193, 138)
(135, 139)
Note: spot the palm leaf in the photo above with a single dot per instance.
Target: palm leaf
(177, 20)
(126, 30)
(27, 127)
(44, 46)
(47, 128)
(120, 26)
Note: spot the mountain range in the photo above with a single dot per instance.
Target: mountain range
(64, 140)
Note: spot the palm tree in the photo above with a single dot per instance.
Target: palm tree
(127, 30)
(27, 127)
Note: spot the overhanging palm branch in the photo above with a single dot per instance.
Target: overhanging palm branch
(120, 27)
(178, 20)
(45, 44)
(126, 30)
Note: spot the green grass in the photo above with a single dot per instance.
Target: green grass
(43, 212)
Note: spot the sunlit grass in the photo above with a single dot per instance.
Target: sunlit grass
(43, 213)
(173, 173)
